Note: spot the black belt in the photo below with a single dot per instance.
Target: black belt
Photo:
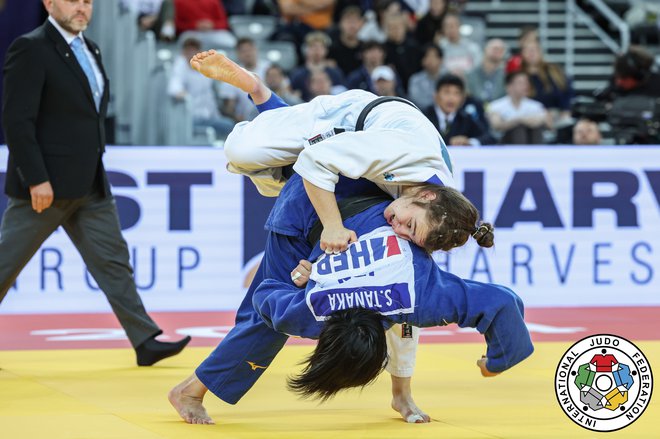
(359, 125)
(348, 207)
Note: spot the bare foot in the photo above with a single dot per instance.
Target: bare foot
(402, 401)
(187, 397)
(481, 363)
(217, 66)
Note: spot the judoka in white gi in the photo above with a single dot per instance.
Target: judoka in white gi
(394, 146)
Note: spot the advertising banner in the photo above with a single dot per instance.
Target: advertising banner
(574, 226)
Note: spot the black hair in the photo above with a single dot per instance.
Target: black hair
(635, 63)
(351, 10)
(508, 79)
(437, 49)
(191, 42)
(351, 352)
(245, 40)
(449, 79)
(372, 44)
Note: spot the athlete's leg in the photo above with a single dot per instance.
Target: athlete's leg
(249, 348)
(402, 341)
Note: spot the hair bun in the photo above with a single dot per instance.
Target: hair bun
(484, 235)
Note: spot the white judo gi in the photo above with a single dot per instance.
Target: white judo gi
(399, 146)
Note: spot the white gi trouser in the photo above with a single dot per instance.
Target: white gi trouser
(401, 351)
(398, 146)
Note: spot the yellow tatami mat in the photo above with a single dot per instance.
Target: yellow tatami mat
(92, 394)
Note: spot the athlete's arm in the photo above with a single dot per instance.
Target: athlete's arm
(335, 237)
(283, 307)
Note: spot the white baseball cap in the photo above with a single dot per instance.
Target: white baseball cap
(383, 72)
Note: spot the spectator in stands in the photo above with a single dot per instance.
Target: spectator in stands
(154, 15)
(277, 81)
(586, 132)
(203, 15)
(299, 17)
(431, 24)
(421, 86)
(373, 29)
(320, 84)
(549, 84)
(340, 5)
(402, 51)
(235, 103)
(525, 34)
(186, 84)
(385, 81)
(461, 54)
(633, 76)
(456, 126)
(345, 48)
(486, 81)
(373, 55)
(519, 119)
(315, 51)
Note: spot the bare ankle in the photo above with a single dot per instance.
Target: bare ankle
(262, 94)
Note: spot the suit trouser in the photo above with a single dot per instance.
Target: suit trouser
(92, 225)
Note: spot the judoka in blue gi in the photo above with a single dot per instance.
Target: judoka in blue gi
(381, 275)
(385, 140)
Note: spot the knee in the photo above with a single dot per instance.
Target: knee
(244, 147)
(238, 149)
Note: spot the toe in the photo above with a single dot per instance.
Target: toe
(415, 419)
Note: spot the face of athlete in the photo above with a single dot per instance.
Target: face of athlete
(72, 15)
(409, 220)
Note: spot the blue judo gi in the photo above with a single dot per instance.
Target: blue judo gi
(441, 298)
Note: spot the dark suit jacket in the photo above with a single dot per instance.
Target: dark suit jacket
(53, 130)
(462, 125)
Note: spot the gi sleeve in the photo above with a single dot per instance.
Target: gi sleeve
(283, 307)
(23, 84)
(494, 310)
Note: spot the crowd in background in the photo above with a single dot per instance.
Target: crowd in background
(475, 93)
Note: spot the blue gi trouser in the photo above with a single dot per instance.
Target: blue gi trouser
(249, 348)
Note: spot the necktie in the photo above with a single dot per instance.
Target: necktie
(83, 60)
(447, 125)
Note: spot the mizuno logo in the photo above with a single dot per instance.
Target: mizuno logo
(255, 366)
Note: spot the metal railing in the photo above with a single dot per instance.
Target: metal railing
(574, 12)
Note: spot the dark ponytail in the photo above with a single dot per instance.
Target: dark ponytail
(484, 235)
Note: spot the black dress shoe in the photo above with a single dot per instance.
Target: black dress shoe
(152, 350)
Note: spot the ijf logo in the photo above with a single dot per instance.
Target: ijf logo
(603, 382)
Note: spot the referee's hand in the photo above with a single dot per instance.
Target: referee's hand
(42, 196)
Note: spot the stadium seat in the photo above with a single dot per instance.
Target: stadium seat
(257, 27)
(474, 29)
(282, 53)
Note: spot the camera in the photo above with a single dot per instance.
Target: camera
(634, 119)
